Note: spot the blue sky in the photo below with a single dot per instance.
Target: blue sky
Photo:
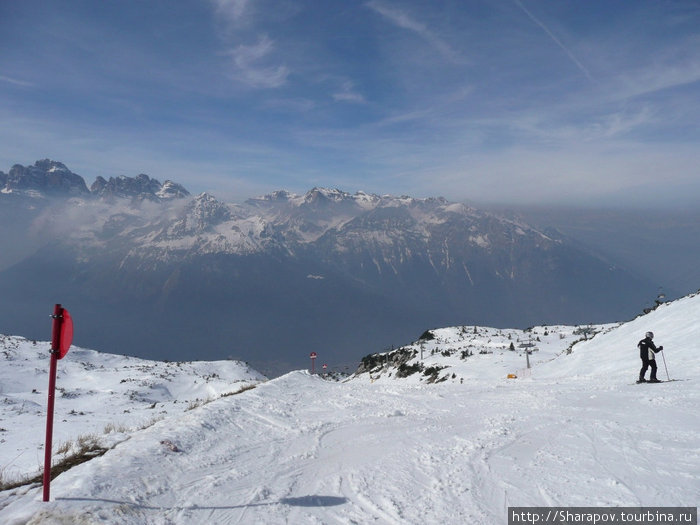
(521, 101)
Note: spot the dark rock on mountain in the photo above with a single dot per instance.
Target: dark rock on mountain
(141, 187)
(172, 190)
(47, 177)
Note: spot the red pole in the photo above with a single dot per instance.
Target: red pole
(55, 344)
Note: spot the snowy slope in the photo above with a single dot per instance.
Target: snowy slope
(299, 449)
(464, 353)
(96, 392)
(613, 355)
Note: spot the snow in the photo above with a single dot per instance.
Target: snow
(480, 240)
(96, 390)
(300, 449)
(474, 352)
(366, 201)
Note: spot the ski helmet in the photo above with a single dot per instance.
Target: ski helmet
(650, 335)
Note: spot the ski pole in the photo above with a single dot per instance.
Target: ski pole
(664, 358)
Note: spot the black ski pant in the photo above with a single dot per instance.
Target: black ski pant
(648, 363)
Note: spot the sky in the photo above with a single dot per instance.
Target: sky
(503, 101)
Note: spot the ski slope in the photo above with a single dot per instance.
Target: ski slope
(299, 449)
(99, 396)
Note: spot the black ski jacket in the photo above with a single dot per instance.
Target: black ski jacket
(647, 349)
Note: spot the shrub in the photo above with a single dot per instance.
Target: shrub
(88, 447)
(239, 391)
(406, 370)
(432, 370)
(112, 427)
(428, 335)
(370, 362)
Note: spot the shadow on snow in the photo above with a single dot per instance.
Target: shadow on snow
(301, 501)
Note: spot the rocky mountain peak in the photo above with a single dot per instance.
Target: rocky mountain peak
(47, 177)
(141, 187)
(50, 178)
(276, 196)
(204, 211)
(172, 190)
(323, 195)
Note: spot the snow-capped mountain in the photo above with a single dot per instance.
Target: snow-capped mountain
(327, 270)
(576, 432)
(329, 223)
(139, 187)
(49, 178)
(45, 177)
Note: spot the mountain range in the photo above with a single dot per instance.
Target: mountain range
(149, 270)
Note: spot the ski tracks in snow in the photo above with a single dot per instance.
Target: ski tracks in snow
(585, 445)
(302, 450)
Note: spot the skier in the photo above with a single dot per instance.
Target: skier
(647, 349)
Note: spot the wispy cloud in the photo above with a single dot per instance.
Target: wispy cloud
(251, 49)
(558, 42)
(233, 10)
(250, 68)
(348, 93)
(624, 175)
(404, 20)
(16, 81)
(665, 74)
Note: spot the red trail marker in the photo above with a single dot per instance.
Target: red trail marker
(61, 339)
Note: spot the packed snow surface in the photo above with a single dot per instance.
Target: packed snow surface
(98, 395)
(300, 449)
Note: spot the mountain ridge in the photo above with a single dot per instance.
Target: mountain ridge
(326, 269)
(50, 178)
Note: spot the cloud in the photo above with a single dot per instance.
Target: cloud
(249, 65)
(232, 10)
(628, 175)
(405, 21)
(347, 93)
(661, 76)
(16, 81)
(251, 49)
(558, 42)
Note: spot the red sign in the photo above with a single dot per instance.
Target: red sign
(313, 355)
(66, 337)
(61, 338)
(325, 366)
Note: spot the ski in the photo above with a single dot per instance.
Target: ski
(659, 381)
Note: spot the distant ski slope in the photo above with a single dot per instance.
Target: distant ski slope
(613, 356)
